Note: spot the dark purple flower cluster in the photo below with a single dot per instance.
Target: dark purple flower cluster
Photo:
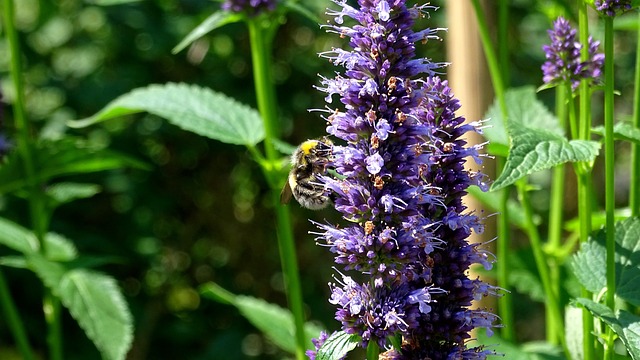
(249, 7)
(612, 7)
(401, 183)
(563, 57)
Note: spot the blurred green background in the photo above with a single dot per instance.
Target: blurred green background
(202, 212)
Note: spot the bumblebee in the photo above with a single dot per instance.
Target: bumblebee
(308, 161)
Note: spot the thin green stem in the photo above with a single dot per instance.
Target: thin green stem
(37, 208)
(536, 245)
(260, 32)
(556, 207)
(503, 40)
(503, 241)
(505, 303)
(634, 192)
(490, 54)
(13, 320)
(609, 172)
(52, 313)
(583, 171)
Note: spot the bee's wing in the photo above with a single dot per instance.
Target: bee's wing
(286, 193)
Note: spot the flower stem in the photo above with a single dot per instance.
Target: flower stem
(260, 32)
(503, 241)
(556, 207)
(609, 174)
(52, 312)
(634, 199)
(13, 320)
(583, 172)
(553, 308)
(37, 208)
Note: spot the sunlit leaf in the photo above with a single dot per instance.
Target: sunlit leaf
(17, 237)
(623, 323)
(533, 150)
(338, 345)
(193, 108)
(214, 21)
(95, 302)
(523, 109)
(275, 322)
(516, 213)
(528, 351)
(622, 131)
(62, 193)
(535, 138)
(589, 263)
(65, 157)
(573, 333)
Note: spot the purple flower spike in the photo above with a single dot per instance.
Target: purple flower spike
(250, 7)
(612, 7)
(402, 179)
(563, 57)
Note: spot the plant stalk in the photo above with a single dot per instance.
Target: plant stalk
(260, 32)
(13, 320)
(609, 174)
(583, 171)
(634, 198)
(37, 210)
(503, 241)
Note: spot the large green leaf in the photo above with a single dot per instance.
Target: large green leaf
(536, 140)
(275, 322)
(523, 109)
(589, 264)
(622, 131)
(533, 150)
(214, 21)
(623, 323)
(95, 302)
(65, 157)
(337, 346)
(193, 108)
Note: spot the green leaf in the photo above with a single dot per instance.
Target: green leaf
(275, 322)
(338, 345)
(573, 333)
(193, 108)
(18, 262)
(65, 192)
(533, 150)
(516, 213)
(589, 264)
(523, 109)
(528, 351)
(95, 302)
(623, 323)
(17, 237)
(60, 248)
(65, 157)
(622, 131)
(214, 21)
(536, 140)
